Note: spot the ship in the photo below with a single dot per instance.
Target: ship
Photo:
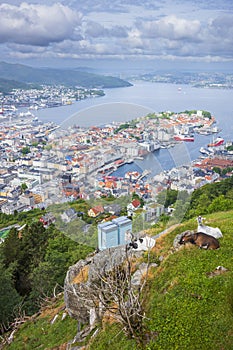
(207, 151)
(187, 138)
(207, 130)
(204, 151)
(139, 158)
(217, 142)
(157, 146)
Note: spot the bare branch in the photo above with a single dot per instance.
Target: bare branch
(112, 291)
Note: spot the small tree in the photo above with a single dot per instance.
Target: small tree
(25, 150)
(23, 187)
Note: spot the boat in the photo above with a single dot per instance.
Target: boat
(207, 151)
(203, 132)
(157, 146)
(217, 142)
(207, 130)
(215, 129)
(204, 151)
(187, 138)
(133, 175)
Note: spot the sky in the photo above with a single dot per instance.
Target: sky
(161, 34)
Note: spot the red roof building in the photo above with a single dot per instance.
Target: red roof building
(96, 211)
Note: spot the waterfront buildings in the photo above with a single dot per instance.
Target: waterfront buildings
(57, 166)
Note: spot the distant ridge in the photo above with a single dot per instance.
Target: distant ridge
(7, 85)
(50, 76)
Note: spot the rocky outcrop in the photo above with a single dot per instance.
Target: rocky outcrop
(82, 276)
(74, 305)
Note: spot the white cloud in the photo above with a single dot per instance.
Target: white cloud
(134, 39)
(170, 27)
(37, 24)
(150, 28)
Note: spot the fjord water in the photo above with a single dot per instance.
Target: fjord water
(123, 104)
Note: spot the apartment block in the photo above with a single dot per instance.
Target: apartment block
(114, 233)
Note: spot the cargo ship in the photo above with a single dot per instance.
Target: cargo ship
(187, 138)
(217, 142)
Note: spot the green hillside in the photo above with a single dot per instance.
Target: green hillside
(7, 85)
(186, 306)
(69, 77)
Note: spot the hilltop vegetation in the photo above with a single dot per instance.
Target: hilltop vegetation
(211, 198)
(7, 85)
(32, 264)
(187, 305)
(49, 76)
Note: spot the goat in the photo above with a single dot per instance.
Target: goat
(202, 240)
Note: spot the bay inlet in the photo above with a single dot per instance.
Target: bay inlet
(124, 104)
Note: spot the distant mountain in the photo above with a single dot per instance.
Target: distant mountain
(85, 69)
(50, 76)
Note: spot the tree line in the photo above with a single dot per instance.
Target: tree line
(207, 199)
(32, 263)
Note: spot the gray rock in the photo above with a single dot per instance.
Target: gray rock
(138, 275)
(95, 266)
(75, 306)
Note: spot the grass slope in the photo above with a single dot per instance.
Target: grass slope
(185, 308)
(40, 334)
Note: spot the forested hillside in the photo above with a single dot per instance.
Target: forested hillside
(211, 198)
(204, 200)
(32, 264)
(74, 77)
(7, 85)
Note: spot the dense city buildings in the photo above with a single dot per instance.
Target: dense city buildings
(43, 164)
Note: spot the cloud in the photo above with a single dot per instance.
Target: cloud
(222, 26)
(89, 28)
(170, 27)
(37, 24)
(217, 37)
(97, 30)
(27, 49)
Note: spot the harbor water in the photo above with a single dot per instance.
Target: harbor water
(124, 104)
